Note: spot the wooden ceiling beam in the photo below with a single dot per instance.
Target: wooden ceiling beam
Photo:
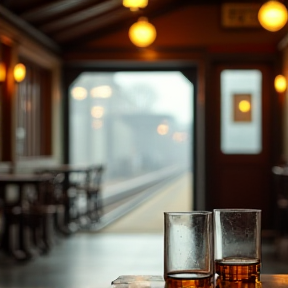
(53, 8)
(91, 27)
(80, 16)
(29, 30)
(113, 21)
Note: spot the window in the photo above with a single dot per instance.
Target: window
(241, 115)
(33, 117)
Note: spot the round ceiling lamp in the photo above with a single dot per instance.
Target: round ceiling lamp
(272, 16)
(280, 83)
(134, 5)
(142, 33)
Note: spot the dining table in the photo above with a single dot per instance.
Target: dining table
(157, 281)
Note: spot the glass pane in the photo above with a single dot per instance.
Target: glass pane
(241, 127)
(132, 122)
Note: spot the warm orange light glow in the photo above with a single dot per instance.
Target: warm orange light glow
(2, 72)
(272, 15)
(103, 91)
(244, 106)
(162, 129)
(97, 111)
(280, 83)
(134, 5)
(79, 93)
(19, 72)
(142, 33)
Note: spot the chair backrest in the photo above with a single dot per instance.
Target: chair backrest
(95, 176)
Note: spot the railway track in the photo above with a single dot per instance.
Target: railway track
(119, 199)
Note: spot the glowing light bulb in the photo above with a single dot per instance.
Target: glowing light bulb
(244, 106)
(272, 15)
(142, 33)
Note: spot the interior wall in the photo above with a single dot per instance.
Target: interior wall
(24, 46)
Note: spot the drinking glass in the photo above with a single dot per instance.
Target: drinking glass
(237, 245)
(188, 249)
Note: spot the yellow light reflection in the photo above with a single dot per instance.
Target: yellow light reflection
(79, 93)
(244, 106)
(97, 111)
(280, 83)
(162, 129)
(103, 91)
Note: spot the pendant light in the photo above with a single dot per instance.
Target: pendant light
(134, 5)
(142, 33)
(272, 15)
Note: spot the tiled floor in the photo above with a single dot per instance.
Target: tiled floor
(133, 245)
(88, 260)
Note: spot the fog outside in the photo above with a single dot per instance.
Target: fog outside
(131, 122)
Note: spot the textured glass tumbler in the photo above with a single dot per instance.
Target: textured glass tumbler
(237, 245)
(188, 249)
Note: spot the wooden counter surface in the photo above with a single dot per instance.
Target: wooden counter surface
(151, 281)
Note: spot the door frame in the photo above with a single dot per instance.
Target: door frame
(193, 71)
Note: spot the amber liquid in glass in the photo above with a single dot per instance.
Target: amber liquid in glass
(188, 281)
(238, 269)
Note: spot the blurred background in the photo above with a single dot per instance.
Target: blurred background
(102, 132)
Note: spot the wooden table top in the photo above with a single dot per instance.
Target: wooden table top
(153, 281)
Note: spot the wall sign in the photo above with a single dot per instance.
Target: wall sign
(240, 15)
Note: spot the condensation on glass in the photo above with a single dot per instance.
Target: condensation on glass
(241, 106)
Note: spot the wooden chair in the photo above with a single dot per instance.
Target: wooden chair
(92, 191)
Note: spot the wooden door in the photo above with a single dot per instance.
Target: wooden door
(239, 142)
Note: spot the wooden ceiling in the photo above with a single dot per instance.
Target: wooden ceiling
(63, 25)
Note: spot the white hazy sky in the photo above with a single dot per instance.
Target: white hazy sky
(174, 91)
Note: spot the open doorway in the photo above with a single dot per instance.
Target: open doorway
(136, 124)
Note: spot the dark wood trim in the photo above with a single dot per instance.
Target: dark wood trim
(29, 29)
(48, 10)
(6, 105)
(92, 13)
(193, 75)
(46, 112)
